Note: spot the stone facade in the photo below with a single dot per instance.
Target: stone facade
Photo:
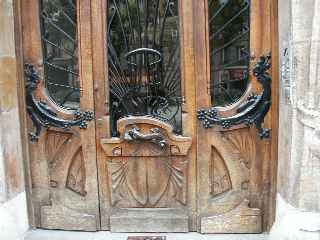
(298, 203)
(13, 213)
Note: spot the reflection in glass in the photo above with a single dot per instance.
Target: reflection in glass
(60, 53)
(144, 60)
(229, 36)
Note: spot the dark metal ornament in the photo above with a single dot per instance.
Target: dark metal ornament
(42, 115)
(144, 61)
(252, 111)
(155, 136)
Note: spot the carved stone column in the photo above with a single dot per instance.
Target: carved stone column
(298, 203)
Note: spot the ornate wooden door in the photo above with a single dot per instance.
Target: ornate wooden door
(148, 157)
(59, 98)
(237, 136)
(143, 114)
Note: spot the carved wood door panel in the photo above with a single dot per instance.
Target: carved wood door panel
(59, 99)
(148, 151)
(237, 123)
(147, 168)
(146, 115)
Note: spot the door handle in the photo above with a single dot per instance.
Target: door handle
(155, 136)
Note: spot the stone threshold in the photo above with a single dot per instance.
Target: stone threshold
(104, 235)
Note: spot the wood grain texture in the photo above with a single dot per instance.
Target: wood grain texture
(22, 106)
(63, 165)
(242, 219)
(220, 176)
(189, 122)
(143, 175)
(206, 180)
(101, 101)
(189, 119)
(239, 148)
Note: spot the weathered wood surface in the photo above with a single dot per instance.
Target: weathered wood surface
(239, 165)
(207, 177)
(63, 164)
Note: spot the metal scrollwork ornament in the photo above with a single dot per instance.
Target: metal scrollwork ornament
(41, 113)
(252, 111)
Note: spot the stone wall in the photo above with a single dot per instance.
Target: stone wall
(13, 212)
(298, 203)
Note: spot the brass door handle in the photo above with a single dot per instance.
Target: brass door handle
(155, 136)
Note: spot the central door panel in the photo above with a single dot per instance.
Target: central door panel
(146, 136)
(147, 171)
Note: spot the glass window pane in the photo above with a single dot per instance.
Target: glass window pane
(144, 60)
(60, 51)
(229, 36)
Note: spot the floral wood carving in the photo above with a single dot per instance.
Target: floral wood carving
(220, 176)
(42, 115)
(252, 111)
(142, 173)
(66, 161)
(148, 190)
(76, 180)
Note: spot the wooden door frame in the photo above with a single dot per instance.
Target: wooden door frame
(189, 53)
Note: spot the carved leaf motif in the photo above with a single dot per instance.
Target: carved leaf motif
(220, 176)
(55, 144)
(146, 182)
(244, 145)
(77, 174)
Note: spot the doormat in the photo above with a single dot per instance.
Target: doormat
(147, 238)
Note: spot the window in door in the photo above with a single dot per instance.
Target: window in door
(229, 40)
(60, 51)
(144, 61)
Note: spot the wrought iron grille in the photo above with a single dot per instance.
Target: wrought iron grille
(60, 51)
(144, 60)
(229, 36)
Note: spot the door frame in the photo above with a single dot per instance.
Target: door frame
(190, 53)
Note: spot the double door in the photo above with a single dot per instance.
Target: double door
(151, 115)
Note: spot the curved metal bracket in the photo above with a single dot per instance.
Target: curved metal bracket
(252, 111)
(155, 136)
(42, 115)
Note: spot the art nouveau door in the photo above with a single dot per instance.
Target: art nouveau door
(111, 114)
(237, 135)
(148, 158)
(60, 106)
(113, 88)
(166, 60)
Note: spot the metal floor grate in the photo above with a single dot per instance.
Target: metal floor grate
(147, 238)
